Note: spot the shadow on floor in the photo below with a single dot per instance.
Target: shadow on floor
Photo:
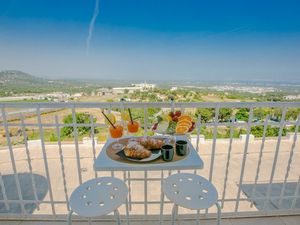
(274, 204)
(10, 187)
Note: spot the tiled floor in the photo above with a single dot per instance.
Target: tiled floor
(287, 220)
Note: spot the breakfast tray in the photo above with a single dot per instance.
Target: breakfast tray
(111, 153)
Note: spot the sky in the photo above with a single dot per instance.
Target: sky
(152, 39)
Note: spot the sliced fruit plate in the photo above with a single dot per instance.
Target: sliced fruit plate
(174, 123)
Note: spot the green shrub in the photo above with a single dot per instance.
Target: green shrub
(81, 118)
(53, 137)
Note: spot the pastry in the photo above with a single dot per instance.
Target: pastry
(135, 150)
(151, 143)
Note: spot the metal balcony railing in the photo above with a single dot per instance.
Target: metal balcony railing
(254, 176)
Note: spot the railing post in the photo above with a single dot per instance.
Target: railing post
(38, 110)
(61, 157)
(244, 158)
(145, 119)
(33, 183)
(198, 125)
(252, 196)
(4, 193)
(290, 160)
(12, 159)
(228, 159)
(75, 133)
(282, 124)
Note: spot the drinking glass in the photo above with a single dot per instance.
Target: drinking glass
(116, 132)
(133, 127)
(181, 147)
(167, 152)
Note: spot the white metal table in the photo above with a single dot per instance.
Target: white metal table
(191, 162)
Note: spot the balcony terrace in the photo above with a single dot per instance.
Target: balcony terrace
(258, 179)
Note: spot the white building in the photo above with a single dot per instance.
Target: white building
(145, 85)
(292, 97)
(104, 92)
(123, 90)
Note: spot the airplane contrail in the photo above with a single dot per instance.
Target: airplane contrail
(91, 26)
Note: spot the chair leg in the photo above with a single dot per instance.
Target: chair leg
(174, 213)
(219, 214)
(198, 217)
(69, 217)
(117, 215)
(161, 210)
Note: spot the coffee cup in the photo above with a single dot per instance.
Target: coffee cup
(167, 152)
(181, 147)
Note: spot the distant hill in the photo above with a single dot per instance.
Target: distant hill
(17, 82)
(8, 77)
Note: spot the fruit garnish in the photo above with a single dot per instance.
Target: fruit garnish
(159, 118)
(110, 117)
(178, 113)
(174, 122)
(155, 126)
(162, 126)
(168, 118)
(175, 118)
(185, 123)
(185, 117)
(125, 116)
(171, 114)
(181, 129)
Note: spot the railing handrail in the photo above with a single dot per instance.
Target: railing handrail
(152, 104)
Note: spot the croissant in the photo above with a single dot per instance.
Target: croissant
(135, 150)
(151, 143)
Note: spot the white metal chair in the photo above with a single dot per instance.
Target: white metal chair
(190, 191)
(98, 197)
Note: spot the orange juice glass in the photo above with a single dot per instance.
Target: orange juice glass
(116, 132)
(133, 127)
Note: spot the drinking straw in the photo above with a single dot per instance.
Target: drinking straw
(108, 120)
(130, 116)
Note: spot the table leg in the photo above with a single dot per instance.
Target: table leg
(161, 198)
(129, 190)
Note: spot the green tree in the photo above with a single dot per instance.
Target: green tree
(292, 113)
(261, 113)
(81, 118)
(257, 131)
(242, 114)
(207, 114)
(225, 114)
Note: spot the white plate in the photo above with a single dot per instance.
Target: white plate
(155, 154)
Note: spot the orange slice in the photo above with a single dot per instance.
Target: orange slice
(181, 129)
(185, 117)
(185, 122)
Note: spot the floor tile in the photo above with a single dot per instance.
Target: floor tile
(9, 222)
(258, 221)
(291, 220)
(204, 222)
